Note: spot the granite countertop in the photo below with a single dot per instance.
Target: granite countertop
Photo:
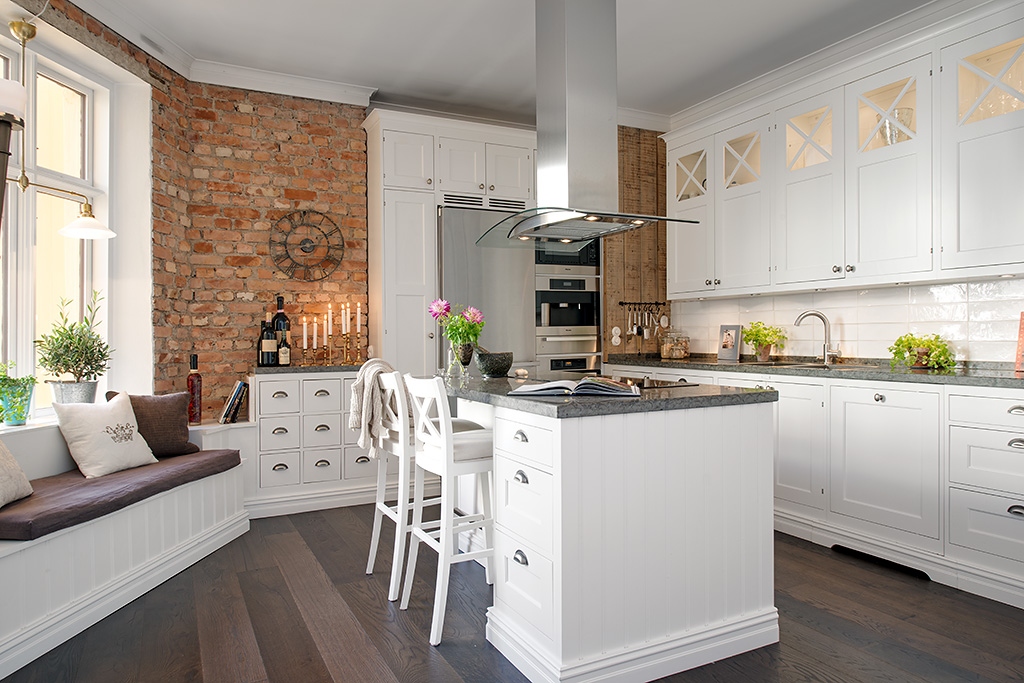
(978, 374)
(292, 369)
(674, 397)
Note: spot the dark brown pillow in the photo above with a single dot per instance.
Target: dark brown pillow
(163, 422)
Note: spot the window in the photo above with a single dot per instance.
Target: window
(41, 267)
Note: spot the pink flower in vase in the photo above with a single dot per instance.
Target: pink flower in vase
(473, 315)
(439, 308)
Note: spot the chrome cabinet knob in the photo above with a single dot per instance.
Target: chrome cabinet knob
(707, 282)
(481, 186)
(717, 281)
(850, 269)
(879, 398)
(837, 269)
(430, 181)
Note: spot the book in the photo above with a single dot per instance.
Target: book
(229, 403)
(588, 386)
(237, 405)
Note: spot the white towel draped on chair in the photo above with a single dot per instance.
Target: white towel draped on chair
(366, 409)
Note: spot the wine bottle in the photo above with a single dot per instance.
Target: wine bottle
(284, 350)
(268, 344)
(195, 391)
(280, 321)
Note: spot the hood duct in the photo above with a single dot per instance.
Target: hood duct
(577, 130)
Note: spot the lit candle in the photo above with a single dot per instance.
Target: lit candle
(325, 331)
(305, 333)
(330, 320)
(359, 317)
(314, 333)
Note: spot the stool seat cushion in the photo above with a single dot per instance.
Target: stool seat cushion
(473, 445)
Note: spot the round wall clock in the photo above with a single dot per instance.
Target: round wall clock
(306, 245)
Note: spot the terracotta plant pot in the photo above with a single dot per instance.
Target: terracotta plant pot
(921, 358)
(764, 352)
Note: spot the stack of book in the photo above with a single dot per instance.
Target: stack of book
(234, 403)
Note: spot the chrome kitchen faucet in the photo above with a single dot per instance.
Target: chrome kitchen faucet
(827, 352)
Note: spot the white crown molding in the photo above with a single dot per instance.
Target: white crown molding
(228, 75)
(635, 118)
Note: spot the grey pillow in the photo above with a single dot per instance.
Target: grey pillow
(163, 422)
(14, 485)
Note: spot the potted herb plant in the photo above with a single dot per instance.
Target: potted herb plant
(76, 349)
(762, 337)
(15, 395)
(922, 352)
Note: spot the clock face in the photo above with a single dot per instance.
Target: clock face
(306, 245)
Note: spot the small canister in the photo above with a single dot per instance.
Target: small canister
(675, 345)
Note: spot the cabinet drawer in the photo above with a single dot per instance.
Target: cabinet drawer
(279, 397)
(524, 581)
(535, 444)
(991, 524)
(524, 501)
(279, 433)
(321, 465)
(999, 412)
(321, 396)
(358, 465)
(279, 469)
(987, 457)
(321, 430)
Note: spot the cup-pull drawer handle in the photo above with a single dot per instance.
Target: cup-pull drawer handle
(322, 428)
(521, 477)
(322, 463)
(280, 467)
(321, 392)
(520, 436)
(362, 460)
(1015, 410)
(1016, 443)
(280, 430)
(279, 394)
(520, 557)
(1016, 510)
(880, 398)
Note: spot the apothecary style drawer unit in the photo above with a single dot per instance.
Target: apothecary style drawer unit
(307, 456)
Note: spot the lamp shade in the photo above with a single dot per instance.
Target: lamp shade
(13, 98)
(86, 228)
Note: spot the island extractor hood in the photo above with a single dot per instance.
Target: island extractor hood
(577, 130)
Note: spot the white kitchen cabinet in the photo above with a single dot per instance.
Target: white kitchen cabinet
(690, 247)
(408, 160)
(509, 172)
(479, 168)
(889, 171)
(982, 133)
(741, 219)
(885, 460)
(801, 446)
(808, 228)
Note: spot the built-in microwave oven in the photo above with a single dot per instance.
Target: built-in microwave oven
(557, 254)
(568, 321)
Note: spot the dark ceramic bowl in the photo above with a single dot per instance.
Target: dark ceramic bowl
(494, 364)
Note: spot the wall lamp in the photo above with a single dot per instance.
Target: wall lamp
(13, 103)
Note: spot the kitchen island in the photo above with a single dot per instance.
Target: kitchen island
(633, 535)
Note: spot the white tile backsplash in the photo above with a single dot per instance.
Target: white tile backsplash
(980, 319)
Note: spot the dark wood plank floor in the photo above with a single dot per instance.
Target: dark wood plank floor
(289, 603)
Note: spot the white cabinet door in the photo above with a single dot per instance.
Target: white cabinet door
(808, 235)
(408, 160)
(888, 171)
(885, 457)
(690, 247)
(410, 281)
(460, 166)
(982, 127)
(509, 171)
(801, 449)
(741, 189)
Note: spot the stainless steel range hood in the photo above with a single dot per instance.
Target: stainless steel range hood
(577, 130)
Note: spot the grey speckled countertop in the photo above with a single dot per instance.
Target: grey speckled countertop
(292, 369)
(495, 392)
(966, 374)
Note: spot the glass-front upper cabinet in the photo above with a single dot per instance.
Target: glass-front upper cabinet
(690, 257)
(888, 171)
(983, 149)
(807, 233)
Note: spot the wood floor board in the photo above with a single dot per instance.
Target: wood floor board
(112, 648)
(169, 636)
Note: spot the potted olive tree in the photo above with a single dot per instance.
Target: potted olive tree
(15, 395)
(762, 337)
(75, 349)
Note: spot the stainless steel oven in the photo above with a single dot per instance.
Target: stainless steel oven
(568, 321)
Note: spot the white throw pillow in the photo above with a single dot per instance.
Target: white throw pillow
(103, 437)
(14, 485)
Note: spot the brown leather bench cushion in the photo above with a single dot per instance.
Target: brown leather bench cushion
(68, 498)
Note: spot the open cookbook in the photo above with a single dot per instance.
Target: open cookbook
(588, 386)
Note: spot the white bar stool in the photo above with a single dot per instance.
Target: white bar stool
(441, 451)
(396, 441)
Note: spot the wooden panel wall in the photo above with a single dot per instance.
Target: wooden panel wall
(633, 264)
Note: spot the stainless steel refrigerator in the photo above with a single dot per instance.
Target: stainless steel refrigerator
(500, 281)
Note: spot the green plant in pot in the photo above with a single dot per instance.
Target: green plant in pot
(762, 337)
(15, 395)
(929, 351)
(76, 349)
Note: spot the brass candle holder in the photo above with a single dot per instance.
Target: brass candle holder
(348, 353)
(329, 350)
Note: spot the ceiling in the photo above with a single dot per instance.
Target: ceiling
(476, 57)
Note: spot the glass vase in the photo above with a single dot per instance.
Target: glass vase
(464, 354)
